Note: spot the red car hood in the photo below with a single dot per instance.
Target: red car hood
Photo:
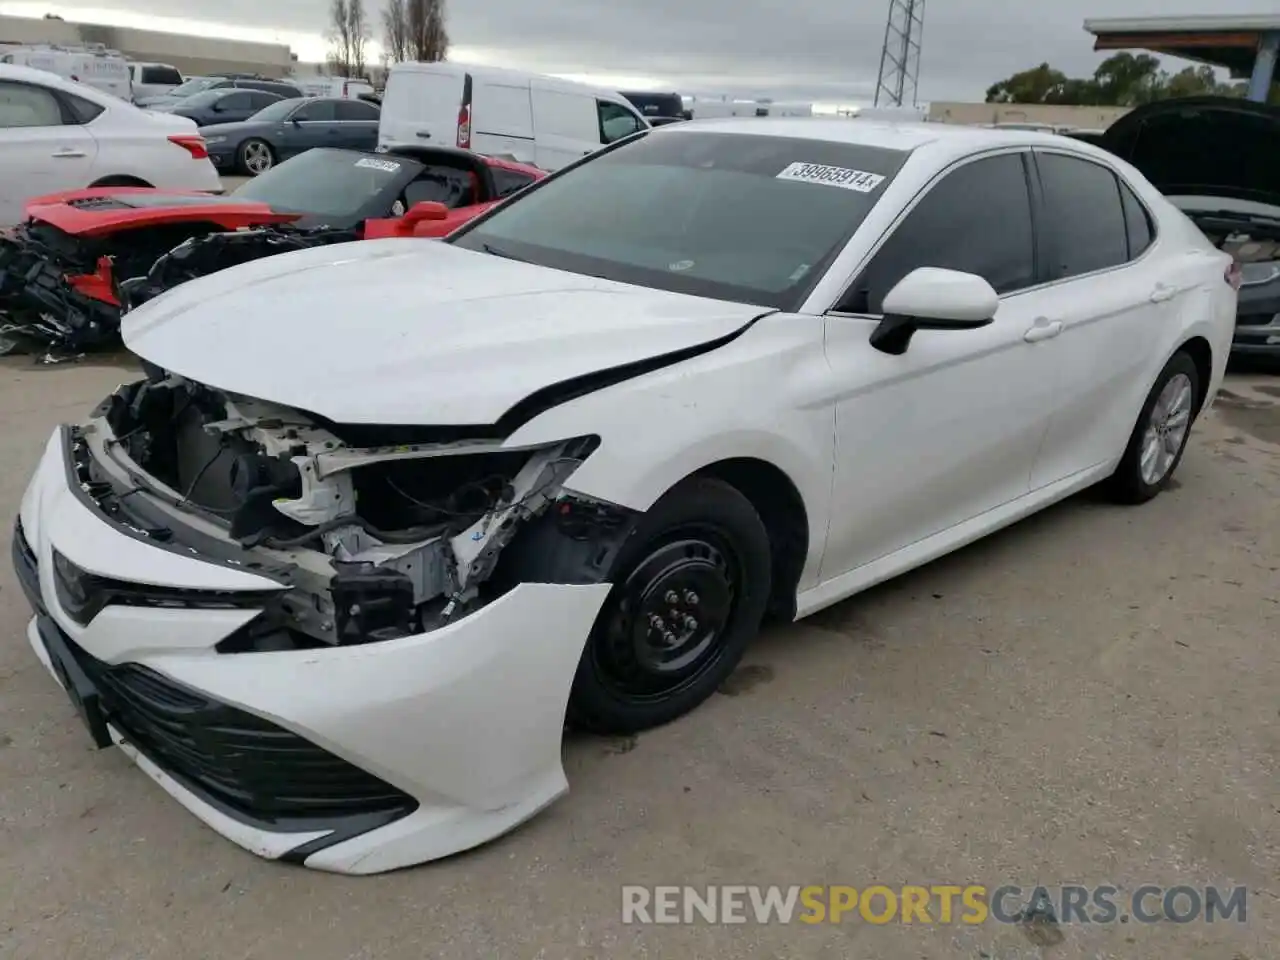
(106, 210)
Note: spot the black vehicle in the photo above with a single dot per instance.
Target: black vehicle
(197, 85)
(1218, 159)
(654, 106)
(224, 105)
(287, 128)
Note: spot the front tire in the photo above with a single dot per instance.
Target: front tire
(690, 588)
(1160, 436)
(255, 156)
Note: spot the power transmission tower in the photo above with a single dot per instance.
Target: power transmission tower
(900, 55)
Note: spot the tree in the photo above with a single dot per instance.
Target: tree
(1029, 86)
(348, 38)
(1122, 80)
(428, 39)
(395, 32)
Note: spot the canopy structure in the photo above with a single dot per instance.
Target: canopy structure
(1245, 45)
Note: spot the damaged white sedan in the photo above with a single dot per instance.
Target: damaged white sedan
(381, 517)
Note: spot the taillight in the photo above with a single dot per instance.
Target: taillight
(1233, 275)
(193, 144)
(464, 127)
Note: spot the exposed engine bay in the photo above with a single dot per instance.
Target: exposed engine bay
(62, 294)
(369, 543)
(1247, 238)
(203, 255)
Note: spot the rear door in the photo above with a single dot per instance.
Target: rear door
(42, 149)
(421, 107)
(1109, 298)
(357, 124)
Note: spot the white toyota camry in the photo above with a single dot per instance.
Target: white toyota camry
(382, 517)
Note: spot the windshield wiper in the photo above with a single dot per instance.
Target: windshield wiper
(494, 251)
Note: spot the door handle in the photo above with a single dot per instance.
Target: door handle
(424, 134)
(1163, 293)
(1043, 330)
(67, 154)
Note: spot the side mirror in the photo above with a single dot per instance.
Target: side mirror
(930, 298)
(426, 210)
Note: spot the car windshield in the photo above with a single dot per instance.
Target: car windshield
(279, 110)
(332, 184)
(192, 87)
(731, 216)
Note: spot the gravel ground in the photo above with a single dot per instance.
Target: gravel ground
(1089, 697)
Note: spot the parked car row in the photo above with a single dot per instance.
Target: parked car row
(378, 519)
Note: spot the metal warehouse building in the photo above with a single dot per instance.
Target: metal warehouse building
(190, 54)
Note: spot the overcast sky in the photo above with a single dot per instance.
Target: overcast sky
(826, 50)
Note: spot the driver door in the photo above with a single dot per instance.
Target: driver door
(950, 429)
(313, 124)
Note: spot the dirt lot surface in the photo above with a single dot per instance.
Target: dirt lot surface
(1091, 697)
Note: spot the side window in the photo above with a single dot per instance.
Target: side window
(1084, 219)
(82, 110)
(24, 105)
(616, 121)
(259, 100)
(233, 101)
(508, 182)
(976, 219)
(1137, 222)
(356, 110)
(161, 75)
(321, 110)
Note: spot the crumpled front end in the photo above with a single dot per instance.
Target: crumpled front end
(56, 292)
(351, 655)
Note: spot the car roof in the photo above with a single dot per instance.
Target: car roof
(12, 71)
(945, 141)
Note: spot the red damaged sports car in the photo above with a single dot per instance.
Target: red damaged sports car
(83, 257)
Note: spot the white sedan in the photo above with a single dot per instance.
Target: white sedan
(383, 516)
(58, 135)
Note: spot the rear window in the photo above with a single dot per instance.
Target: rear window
(161, 75)
(736, 217)
(334, 184)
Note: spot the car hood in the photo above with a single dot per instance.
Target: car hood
(406, 331)
(1203, 146)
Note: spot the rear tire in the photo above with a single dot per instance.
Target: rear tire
(1160, 436)
(255, 156)
(690, 588)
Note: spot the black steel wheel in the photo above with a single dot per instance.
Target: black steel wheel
(690, 588)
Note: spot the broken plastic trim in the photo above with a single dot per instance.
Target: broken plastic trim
(537, 403)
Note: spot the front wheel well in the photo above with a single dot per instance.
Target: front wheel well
(781, 508)
(119, 180)
(1201, 354)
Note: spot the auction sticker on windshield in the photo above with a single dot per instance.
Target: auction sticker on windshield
(387, 166)
(843, 177)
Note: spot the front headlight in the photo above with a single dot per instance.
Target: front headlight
(215, 139)
(1255, 274)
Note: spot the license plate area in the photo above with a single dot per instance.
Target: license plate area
(80, 688)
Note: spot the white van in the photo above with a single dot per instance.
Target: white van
(154, 79)
(531, 118)
(342, 88)
(91, 64)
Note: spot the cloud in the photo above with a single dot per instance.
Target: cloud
(788, 49)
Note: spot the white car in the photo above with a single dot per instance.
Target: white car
(335, 572)
(58, 135)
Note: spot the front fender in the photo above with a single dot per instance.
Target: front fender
(760, 397)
